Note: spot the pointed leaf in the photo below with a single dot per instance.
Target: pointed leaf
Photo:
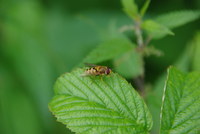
(130, 8)
(99, 104)
(145, 7)
(154, 98)
(155, 29)
(180, 112)
(177, 18)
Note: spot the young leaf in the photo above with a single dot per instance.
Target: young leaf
(129, 65)
(154, 97)
(99, 104)
(155, 29)
(130, 8)
(177, 18)
(108, 50)
(180, 111)
(145, 7)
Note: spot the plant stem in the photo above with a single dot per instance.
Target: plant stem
(140, 80)
(138, 33)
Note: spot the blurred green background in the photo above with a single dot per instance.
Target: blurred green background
(41, 39)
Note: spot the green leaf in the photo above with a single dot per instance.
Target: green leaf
(99, 104)
(129, 64)
(155, 29)
(130, 8)
(108, 50)
(145, 7)
(154, 97)
(196, 61)
(180, 112)
(177, 18)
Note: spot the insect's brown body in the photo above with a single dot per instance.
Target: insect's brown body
(98, 70)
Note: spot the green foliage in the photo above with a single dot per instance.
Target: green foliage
(99, 104)
(154, 98)
(177, 18)
(127, 61)
(145, 7)
(108, 50)
(41, 40)
(130, 7)
(156, 30)
(181, 103)
(129, 64)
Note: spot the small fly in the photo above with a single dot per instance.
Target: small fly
(96, 70)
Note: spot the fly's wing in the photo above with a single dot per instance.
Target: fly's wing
(93, 65)
(90, 65)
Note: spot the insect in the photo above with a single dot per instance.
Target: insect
(97, 70)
